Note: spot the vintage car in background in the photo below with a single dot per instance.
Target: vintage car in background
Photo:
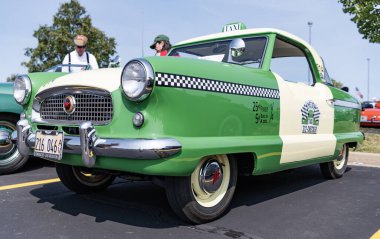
(242, 102)
(10, 159)
(370, 115)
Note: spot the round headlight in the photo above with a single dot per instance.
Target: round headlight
(137, 79)
(22, 88)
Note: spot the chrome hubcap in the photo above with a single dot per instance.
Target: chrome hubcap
(340, 161)
(210, 180)
(89, 178)
(211, 176)
(6, 146)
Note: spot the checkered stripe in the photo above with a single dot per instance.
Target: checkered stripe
(188, 82)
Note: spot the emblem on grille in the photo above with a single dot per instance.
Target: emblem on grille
(69, 104)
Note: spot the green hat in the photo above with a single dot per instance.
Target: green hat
(158, 38)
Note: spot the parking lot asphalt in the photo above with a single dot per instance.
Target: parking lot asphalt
(293, 204)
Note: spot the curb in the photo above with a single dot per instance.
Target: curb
(364, 159)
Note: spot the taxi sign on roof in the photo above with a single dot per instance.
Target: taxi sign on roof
(234, 27)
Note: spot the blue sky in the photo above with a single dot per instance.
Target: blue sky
(334, 36)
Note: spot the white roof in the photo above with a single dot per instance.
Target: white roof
(253, 31)
(243, 32)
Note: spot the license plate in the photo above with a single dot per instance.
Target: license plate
(363, 118)
(49, 144)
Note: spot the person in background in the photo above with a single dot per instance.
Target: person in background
(161, 44)
(79, 56)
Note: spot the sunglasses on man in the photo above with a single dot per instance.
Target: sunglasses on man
(80, 47)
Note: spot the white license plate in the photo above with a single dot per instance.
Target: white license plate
(49, 144)
(363, 118)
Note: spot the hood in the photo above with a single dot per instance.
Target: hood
(6, 88)
(107, 79)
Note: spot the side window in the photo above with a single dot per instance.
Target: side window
(327, 76)
(291, 63)
(252, 55)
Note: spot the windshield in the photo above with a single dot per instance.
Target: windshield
(68, 68)
(219, 51)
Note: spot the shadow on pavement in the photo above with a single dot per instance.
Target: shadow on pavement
(35, 163)
(140, 204)
(256, 189)
(144, 204)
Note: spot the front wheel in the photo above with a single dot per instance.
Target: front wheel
(335, 169)
(206, 193)
(82, 180)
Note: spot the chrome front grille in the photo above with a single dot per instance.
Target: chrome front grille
(91, 106)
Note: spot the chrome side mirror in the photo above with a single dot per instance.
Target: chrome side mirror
(237, 47)
(115, 62)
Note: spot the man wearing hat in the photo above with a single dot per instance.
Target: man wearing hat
(161, 44)
(79, 56)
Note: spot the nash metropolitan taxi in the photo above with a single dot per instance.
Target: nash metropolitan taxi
(240, 102)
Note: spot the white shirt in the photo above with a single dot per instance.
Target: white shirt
(82, 60)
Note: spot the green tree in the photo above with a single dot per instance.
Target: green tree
(11, 78)
(366, 15)
(55, 41)
(337, 84)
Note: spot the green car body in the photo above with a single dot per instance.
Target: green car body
(8, 104)
(211, 113)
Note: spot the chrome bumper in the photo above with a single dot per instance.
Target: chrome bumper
(90, 145)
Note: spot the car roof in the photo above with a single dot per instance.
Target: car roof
(253, 31)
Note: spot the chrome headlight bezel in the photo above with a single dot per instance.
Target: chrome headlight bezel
(22, 89)
(147, 80)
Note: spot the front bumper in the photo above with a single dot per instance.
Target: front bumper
(89, 145)
(370, 123)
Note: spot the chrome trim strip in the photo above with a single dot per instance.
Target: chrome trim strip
(69, 90)
(143, 149)
(347, 104)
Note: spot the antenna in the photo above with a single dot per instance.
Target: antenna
(142, 34)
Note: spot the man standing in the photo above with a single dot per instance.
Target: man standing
(79, 56)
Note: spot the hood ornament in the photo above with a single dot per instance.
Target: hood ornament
(69, 104)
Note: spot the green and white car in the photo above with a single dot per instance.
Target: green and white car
(10, 158)
(242, 102)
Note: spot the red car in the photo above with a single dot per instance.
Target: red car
(370, 115)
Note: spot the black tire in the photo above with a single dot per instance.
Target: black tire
(335, 169)
(195, 204)
(82, 180)
(11, 160)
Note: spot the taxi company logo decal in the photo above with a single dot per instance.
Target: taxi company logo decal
(310, 118)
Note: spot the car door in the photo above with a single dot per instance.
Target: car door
(306, 106)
